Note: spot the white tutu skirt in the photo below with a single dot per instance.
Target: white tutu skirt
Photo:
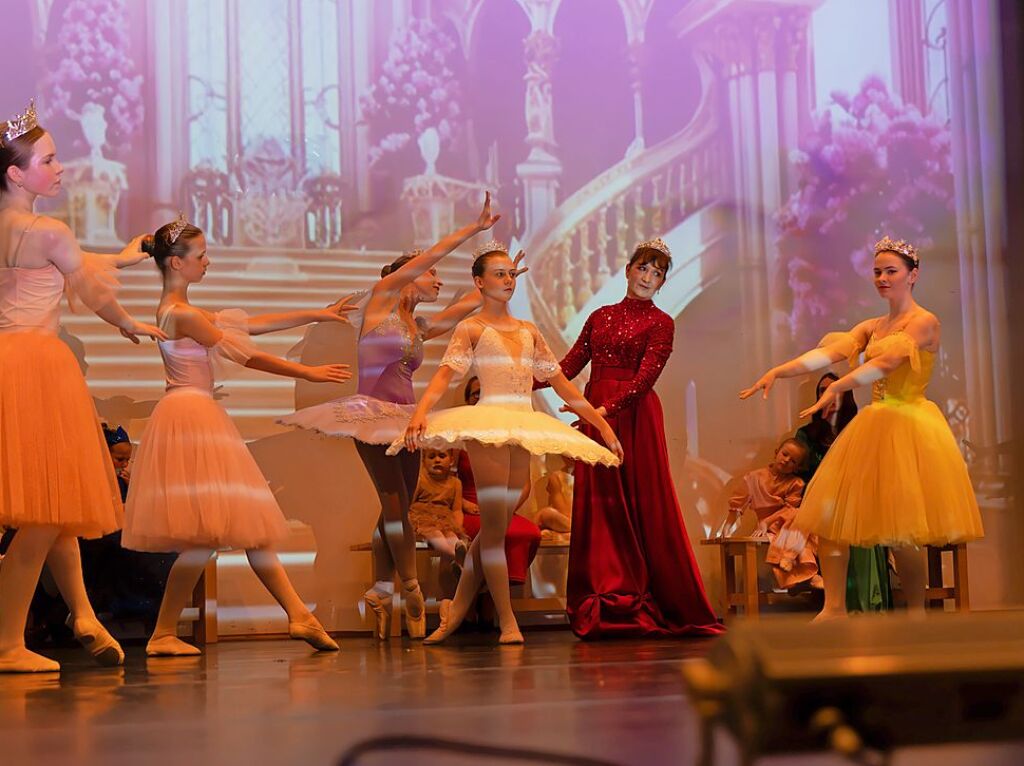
(364, 418)
(195, 484)
(536, 432)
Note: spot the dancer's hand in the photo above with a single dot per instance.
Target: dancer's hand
(761, 530)
(829, 397)
(609, 437)
(328, 373)
(485, 219)
(414, 431)
(765, 382)
(135, 329)
(338, 311)
(516, 271)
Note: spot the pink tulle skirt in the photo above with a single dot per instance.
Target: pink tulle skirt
(55, 467)
(195, 484)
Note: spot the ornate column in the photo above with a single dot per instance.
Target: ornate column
(541, 170)
(635, 84)
(907, 45)
(355, 58)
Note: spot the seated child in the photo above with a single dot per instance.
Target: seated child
(436, 508)
(554, 490)
(774, 493)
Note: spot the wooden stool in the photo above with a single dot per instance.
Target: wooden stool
(937, 592)
(203, 611)
(739, 589)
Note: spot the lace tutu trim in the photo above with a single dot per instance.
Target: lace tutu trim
(360, 417)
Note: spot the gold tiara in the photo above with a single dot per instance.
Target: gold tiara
(177, 226)
(19, 125)
(904, 248)
(654, 244)
(492, 246)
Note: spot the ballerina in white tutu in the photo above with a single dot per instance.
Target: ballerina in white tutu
(391, 339)
(195, 486)
(500, 432)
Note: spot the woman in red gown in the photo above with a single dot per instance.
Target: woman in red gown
(631, 568)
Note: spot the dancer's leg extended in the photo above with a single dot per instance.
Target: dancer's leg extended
(180, 583)
(65, 563)
(301, 622)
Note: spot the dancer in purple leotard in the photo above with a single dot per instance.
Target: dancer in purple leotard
(390, 349)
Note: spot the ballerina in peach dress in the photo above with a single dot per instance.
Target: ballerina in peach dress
(56, 480)
(195, 486)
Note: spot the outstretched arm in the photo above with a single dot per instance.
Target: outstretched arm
(336, 312)
(131, 254)
(836, 347)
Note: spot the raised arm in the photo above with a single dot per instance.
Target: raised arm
(129, 256)
(834, 347)
(391, 284)
(88, 282)
(921, 333)
(336, 312)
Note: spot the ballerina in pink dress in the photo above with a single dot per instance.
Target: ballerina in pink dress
(195, 486)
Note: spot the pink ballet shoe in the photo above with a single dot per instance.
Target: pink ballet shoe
(171, 646)
(21, 660)
(313, 634)
(96, 640)
(415, 611)
(380, 604)
(511, 638)
(446, 628)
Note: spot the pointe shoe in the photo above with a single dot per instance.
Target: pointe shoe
(171, 646)
(446, 628)
(96, 640)
(415, 612)
(21, 660)
(314, 635)
(380, 604)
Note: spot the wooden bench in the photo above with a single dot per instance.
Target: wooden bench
(553, 605)
(202, 612)
(739, 561)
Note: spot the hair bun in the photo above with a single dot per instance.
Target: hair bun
(149, 244)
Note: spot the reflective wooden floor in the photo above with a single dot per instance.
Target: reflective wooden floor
(275, 702)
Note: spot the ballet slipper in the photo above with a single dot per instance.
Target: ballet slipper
(829, 616)
(447, 626)
(96, 640)
(380, 604)
(171, 646)
(415, 611)
(313, 634)
(460, 553)
(511, 637)
(21, 660)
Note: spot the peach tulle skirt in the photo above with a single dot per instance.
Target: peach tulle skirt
(55, 467)
(195, 484)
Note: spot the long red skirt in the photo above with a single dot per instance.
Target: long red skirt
(631, 568)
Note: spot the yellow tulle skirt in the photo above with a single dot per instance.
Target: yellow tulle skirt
(55, 467)
(894, 476)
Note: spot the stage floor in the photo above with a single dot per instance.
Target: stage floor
(276, 702)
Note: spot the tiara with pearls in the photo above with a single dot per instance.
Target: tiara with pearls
(900, 246)
(654, 244)
(492, 246)
(19, 125)
(412, 253)
(177, 226)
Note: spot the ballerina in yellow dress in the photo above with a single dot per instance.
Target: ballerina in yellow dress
(894, 476)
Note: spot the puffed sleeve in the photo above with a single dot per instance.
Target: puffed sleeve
(545, 365)
(847, 344)
(93, 284)
(459, 354)
(898, 344)
(235, 347)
